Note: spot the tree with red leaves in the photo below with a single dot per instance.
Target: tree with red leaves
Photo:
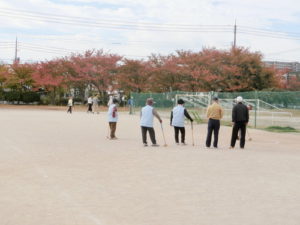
(50, 76)
(96, 68)
(132, 76)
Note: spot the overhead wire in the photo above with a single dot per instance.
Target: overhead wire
(113, 25)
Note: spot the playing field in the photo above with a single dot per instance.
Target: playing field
(60, 169)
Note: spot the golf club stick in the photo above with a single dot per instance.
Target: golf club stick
(249, 139)
(162, 129)
(107, 135)
(193, 143)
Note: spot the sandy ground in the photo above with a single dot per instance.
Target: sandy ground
(59, 169)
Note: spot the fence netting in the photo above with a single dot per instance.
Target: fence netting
(270, 108)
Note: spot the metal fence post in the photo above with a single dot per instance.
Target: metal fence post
(255, 115)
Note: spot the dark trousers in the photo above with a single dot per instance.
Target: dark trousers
(69, 109)
(213, 126)
(113, 127)
(90, 108)
(235, 130)
(182, 132)
(151, 133)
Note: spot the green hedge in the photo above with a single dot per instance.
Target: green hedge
(26, 97)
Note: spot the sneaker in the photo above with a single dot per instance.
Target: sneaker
(207, 147)
(145, 145)
(114, 138)
(231, 147)
(215, 147)
(183, 144)
(177, 143)
(242, 148)
(155, 145)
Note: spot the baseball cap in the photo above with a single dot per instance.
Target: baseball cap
(150, 101)
(239, 99)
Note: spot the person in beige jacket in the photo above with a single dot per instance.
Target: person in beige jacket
(214, 114)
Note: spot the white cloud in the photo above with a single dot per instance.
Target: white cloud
(255, 13)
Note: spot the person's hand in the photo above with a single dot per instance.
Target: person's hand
(160, 121)
(232, 123)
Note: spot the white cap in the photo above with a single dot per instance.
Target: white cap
(239, 99)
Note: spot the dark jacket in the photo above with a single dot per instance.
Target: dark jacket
(240, 113)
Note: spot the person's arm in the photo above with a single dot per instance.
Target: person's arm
(207, 112)
(234, 114)
(187, 115)
(247, 115)
(114, 112)
(171, 118)
(156, 115)
(221, 112)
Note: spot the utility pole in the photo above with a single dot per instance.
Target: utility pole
(234, 39)
(16, 51)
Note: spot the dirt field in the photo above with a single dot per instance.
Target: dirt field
(59, 169)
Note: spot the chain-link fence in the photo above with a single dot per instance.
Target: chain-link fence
(269, 108)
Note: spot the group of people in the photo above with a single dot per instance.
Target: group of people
(240, 118)
(92, 102)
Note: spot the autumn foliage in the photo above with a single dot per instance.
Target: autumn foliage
(236, 69)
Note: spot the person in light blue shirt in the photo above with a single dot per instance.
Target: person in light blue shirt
(178, 115)
(146, 122)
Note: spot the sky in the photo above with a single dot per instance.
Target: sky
(48, 29)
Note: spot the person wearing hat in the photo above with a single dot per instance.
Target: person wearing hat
(113, 118)
(147, 115)
(240, 119)
(177, 121)
(214, 114)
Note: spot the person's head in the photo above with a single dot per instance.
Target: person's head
(180, 102)
(250, 107)
(149, 101)
(115, 101)
(239, 99)
(215, 99)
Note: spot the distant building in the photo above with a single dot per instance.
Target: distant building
(291, 66)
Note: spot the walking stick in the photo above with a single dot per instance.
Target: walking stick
(192, 134)
(249, 139)
(162, 129)
(107, 135)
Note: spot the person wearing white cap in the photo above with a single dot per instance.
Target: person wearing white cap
(147, 115)
(240, 119)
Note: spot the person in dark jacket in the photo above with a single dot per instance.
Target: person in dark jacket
(240, 119)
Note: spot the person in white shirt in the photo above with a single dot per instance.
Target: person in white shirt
(70, 105)
(113, 118)
(146, 122)
(90, 103)
(177, 121)
(95, 104)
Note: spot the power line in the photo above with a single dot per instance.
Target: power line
(111, 22)
(113, 25)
